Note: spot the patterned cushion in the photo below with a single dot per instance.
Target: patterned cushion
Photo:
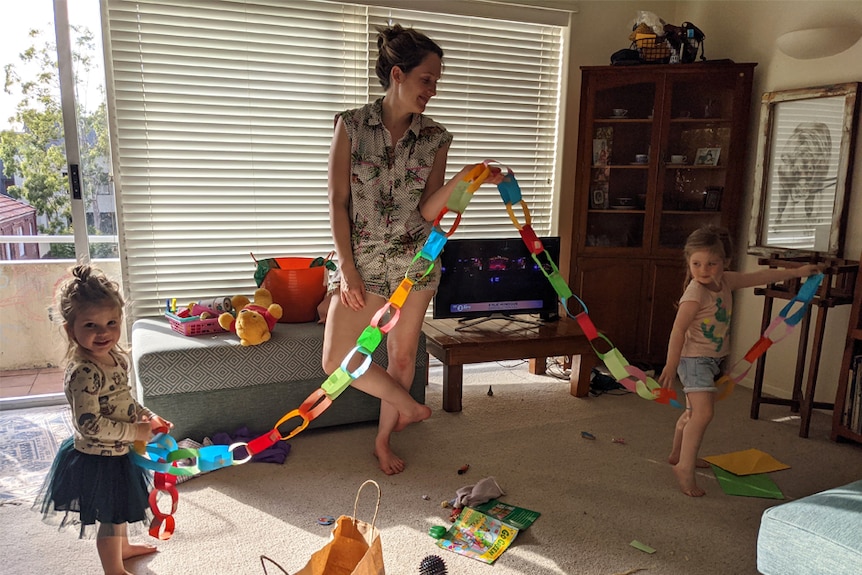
(210, 383)
(168, 363)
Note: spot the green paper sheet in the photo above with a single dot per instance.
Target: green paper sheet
(642, 546)
(755, 485)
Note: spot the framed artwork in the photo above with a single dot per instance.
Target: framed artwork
(712, 198)
(707, 156)
(802, 177)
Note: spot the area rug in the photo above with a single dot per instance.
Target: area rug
(30, 439)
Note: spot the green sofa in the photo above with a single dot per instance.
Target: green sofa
(210, 383)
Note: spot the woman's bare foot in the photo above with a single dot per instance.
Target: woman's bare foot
(130, 550)
(686, 481)
(699, 463)
(390, 464)
(419, 413)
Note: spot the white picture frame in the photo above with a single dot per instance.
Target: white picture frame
(707, 156)
(806, 144)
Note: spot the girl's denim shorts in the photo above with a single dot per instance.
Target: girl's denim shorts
(699, 373)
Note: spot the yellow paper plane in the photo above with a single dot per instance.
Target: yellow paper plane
(747, 462)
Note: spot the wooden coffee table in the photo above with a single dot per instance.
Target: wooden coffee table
(499, 339)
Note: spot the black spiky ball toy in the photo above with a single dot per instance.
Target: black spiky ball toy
(432, 565)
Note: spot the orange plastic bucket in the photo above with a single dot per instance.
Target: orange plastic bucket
(297, 288)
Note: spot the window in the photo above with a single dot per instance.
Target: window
(222, 115)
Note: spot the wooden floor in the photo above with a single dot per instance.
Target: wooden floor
(27, 382)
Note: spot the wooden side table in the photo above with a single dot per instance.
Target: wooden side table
(836, 289)
(499, 339)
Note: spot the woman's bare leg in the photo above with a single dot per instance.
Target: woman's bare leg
(702, 405)
(343, 327)
(401, 345)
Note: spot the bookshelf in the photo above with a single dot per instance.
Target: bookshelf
(847, 416)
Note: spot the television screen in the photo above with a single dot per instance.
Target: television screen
(485, 277)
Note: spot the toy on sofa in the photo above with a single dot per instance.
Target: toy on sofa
(254, 320)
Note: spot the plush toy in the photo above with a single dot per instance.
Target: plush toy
(254, 320)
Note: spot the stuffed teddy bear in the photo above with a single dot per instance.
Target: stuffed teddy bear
(254, 320)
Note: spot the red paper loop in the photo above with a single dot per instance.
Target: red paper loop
(758, 349)
(163, 528)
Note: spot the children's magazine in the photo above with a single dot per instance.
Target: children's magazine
(487, 530)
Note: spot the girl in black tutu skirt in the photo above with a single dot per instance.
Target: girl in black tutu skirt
(93, 483)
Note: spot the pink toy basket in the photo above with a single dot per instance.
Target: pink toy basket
(191, 326)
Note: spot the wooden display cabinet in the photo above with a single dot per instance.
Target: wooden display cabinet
(847, 415)
(636, 203)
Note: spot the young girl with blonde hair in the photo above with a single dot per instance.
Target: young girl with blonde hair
(93, 479)
(700, 339)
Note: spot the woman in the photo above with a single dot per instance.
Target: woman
(387, 165)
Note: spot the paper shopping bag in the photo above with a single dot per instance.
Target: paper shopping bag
(354, 547)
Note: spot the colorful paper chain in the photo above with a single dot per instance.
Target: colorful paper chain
(162, 454)
(728, 381)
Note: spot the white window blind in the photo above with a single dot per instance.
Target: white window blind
(222, 116)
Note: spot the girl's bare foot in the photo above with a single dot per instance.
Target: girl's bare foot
(390, 464)
(420, 413)
(686, 481)
(699, 463)
(130, 550)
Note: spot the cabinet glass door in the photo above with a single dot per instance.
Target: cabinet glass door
(622, 136)
(694, 163)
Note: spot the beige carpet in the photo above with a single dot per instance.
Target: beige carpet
(595, 496)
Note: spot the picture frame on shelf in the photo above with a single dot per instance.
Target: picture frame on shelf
(599, 199)
(712, 198)
(707, 156)
(601, 152)
(803, 172)
(603, 145)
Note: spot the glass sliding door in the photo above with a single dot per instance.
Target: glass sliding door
(56, 197)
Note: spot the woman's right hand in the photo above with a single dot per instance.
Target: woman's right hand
(352, 290)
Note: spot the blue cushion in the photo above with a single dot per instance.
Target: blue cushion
(818, 534)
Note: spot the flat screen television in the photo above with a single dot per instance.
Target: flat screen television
(495, 277)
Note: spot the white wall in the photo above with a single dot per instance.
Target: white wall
(743, 32)
(29, 336)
